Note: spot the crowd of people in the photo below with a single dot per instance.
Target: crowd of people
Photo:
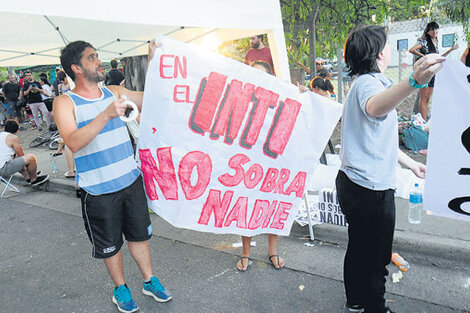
(29, 101)
(112, 187)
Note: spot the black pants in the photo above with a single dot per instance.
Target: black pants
(371, 218)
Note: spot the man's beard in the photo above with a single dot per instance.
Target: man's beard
(93, 76)
(255, 45)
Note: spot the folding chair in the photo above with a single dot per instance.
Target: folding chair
(8, 185)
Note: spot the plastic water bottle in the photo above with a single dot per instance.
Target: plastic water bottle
(53, 164)
(415, 205)
(400, 262)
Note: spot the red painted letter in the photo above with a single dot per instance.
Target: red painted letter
(164, 174)
(238, 213)
(232, 110)
(281, 128)
(181, 90)
(181, 67)
(162, 65)
(256, 171)
(297, 185)
(263, 100)
(206, 103)
(260, 212)
(203, 165)
(220, 207)
(281, 215)
(235, 163)
(270, 180)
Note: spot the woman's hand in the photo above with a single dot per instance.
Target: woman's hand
(426, 67)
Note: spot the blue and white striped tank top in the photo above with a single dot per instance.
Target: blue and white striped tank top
(107, 163)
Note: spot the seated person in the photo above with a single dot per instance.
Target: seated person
(13, 159)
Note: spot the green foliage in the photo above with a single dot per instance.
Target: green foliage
(456, 11)
(335, 19)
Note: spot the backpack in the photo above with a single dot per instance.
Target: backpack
(415, 138)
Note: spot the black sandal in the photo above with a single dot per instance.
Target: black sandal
(241, 262)
(270, 257)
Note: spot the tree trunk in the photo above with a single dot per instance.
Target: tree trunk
(312, 38)
(135, 71)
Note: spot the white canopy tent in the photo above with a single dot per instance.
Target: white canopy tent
(33, 32)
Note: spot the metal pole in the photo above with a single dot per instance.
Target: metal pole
(339, 69)
(400, 67)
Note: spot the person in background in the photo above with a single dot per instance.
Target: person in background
(322, 86)
(11, 93)
(114, 76)
(320, 68)
(32, 91)
(13, 159)
(259, 52)
(276, 261)
(63, 86)
(366, 183)
(62, 149)
(56, 82)
(427, 44)
(46, 95)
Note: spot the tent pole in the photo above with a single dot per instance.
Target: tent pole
(64, 39)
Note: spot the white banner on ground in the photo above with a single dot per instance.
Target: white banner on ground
(447, 191)
(224, 147)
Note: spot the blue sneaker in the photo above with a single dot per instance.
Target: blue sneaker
(155, 289)
(123, 300)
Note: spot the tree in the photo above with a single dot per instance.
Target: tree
(321, 26)
(457, 11)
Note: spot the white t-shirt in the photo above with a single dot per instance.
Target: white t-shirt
(48, 90)
(6, 152)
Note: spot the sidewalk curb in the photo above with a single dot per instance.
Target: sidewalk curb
(55, 185)
(426, 244)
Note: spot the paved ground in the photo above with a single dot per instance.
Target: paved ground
(46, 264)
(46, 267)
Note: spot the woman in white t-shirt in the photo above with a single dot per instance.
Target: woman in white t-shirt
(46, 95)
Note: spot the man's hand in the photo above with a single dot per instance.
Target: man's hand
(152, 47)
(426, 67)
(418, 169)
(115, 109)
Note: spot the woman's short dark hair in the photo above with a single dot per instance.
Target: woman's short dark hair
(11, 126)
(362, 48)
(71, 54)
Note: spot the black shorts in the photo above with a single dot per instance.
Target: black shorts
(431, 82)
(108, 216)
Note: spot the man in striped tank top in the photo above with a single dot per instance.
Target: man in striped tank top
(113, 199)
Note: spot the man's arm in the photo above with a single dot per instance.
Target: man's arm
(135, 96)
(14, 142)
(384, 102)
(76, 138)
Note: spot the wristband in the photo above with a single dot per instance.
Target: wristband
(414, 84)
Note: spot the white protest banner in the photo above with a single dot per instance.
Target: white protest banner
(329, 210)
(224, 147)
(447, 186)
